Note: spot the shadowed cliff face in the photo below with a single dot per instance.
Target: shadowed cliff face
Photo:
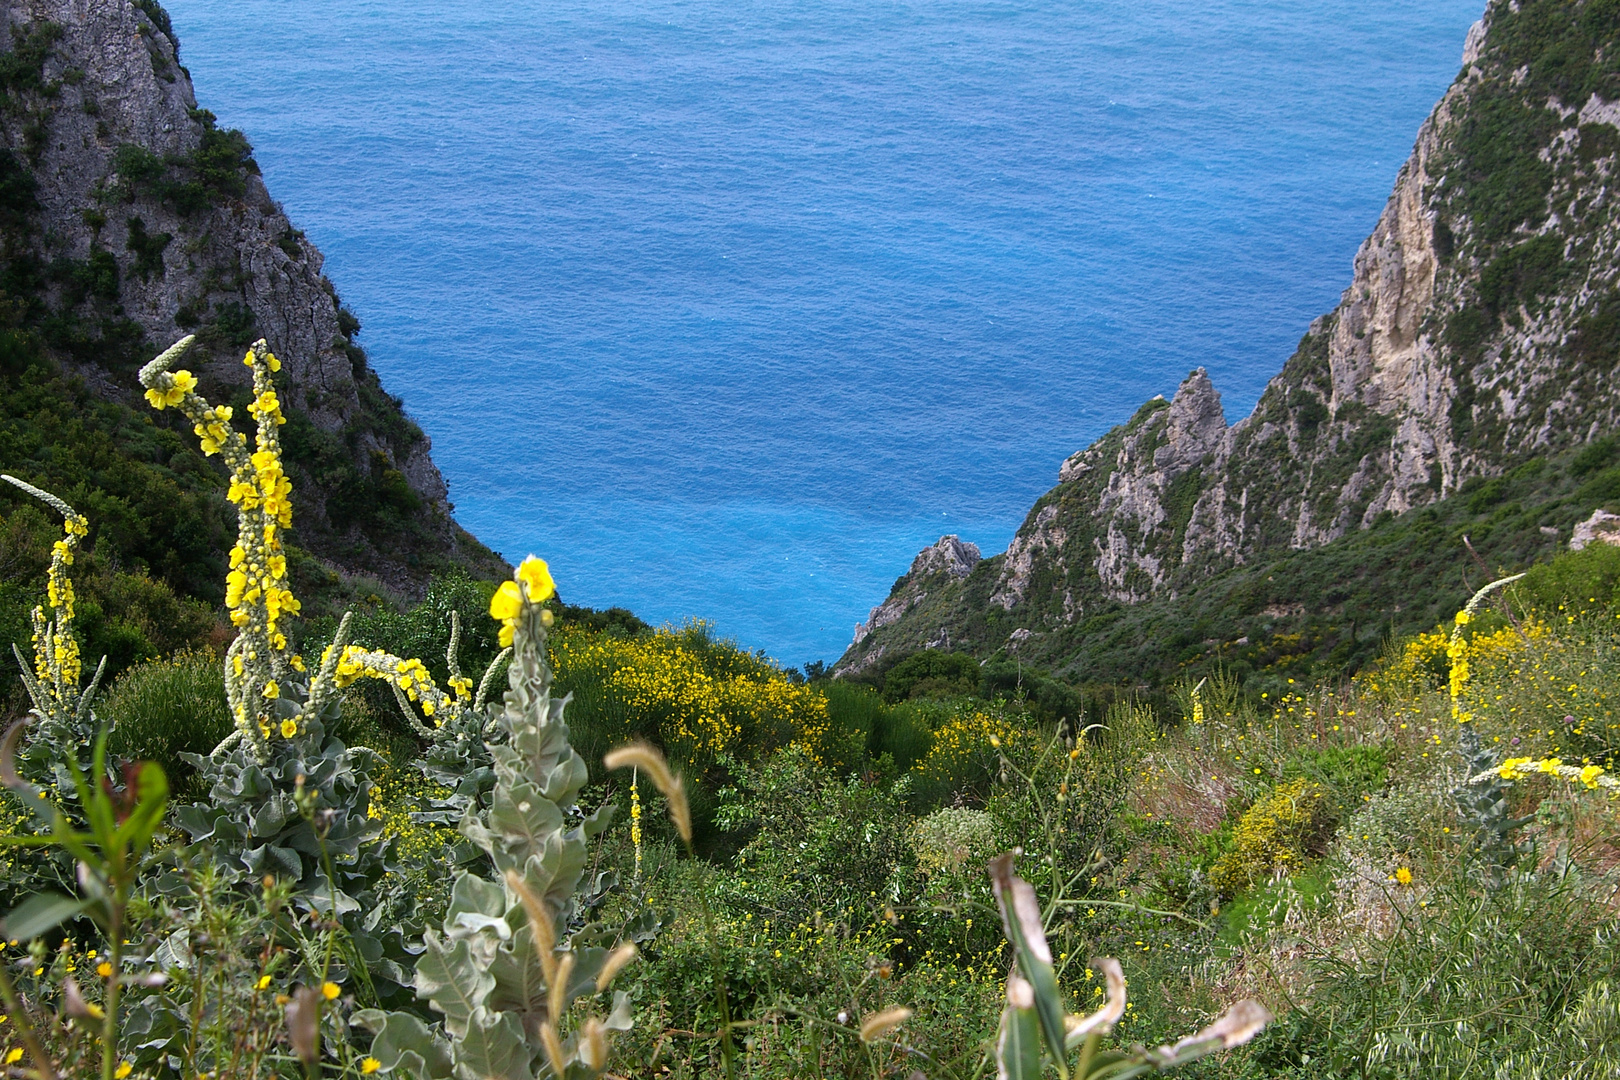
(149, 222)
(1481, 326)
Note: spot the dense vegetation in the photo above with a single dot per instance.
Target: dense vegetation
(1412, 870)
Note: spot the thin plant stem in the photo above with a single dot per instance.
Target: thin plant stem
(728, 1051)
(115, 957)
(25, 1029)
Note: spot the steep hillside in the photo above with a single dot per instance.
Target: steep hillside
(129, 217)
(1481, 329)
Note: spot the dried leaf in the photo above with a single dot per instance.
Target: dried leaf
(1103, 1020)
(647, 758)
(303, 1024)
(876, 1025)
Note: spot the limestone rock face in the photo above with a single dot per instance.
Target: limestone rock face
(110, 157)
(1601, 528)
(944, 562)
(1481, 325)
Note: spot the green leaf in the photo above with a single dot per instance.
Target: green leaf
(40, 914)
(1018, 1046)
(405, 1044)
(493, 1048)
(449, 978)
(1021, 918)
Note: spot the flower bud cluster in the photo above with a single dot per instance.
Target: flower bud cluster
(1592, 776)
(409, 678)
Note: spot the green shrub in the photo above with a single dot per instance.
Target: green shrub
(162, 709)
(867, 733)
(951, 837)
(931, 673)
(1576, 579)
(1278, 833)
(1345, 773)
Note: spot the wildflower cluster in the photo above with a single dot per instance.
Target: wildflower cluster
(697, 703)
(1457, 647)
(54, 686)
(967, 742)
(1276, 833)
(1592, 776)
(950, 837)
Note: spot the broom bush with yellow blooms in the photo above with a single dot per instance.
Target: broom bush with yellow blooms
(463, 899)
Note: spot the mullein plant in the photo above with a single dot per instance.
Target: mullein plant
(283, 709)
(518, 948)
(61, 721)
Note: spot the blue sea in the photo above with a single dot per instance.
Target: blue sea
(728, 308)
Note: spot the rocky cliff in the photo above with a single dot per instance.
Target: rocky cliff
(1481, 328)
(131, 218)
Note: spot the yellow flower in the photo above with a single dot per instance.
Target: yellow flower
(123, 1070)
(264, 982)
(507, 601)
(1404, 876)
(289, 728)
(14, 1055)
(104, 969)
(330, 990)
(536, 575)
(369, 1065)
(271, 690)
(1590, 774)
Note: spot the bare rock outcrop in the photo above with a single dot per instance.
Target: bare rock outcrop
(1601, 528)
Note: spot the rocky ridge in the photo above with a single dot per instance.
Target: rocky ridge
(152, 222)
(1481, 327)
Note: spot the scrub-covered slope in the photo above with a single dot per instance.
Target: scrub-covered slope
(128, 218)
